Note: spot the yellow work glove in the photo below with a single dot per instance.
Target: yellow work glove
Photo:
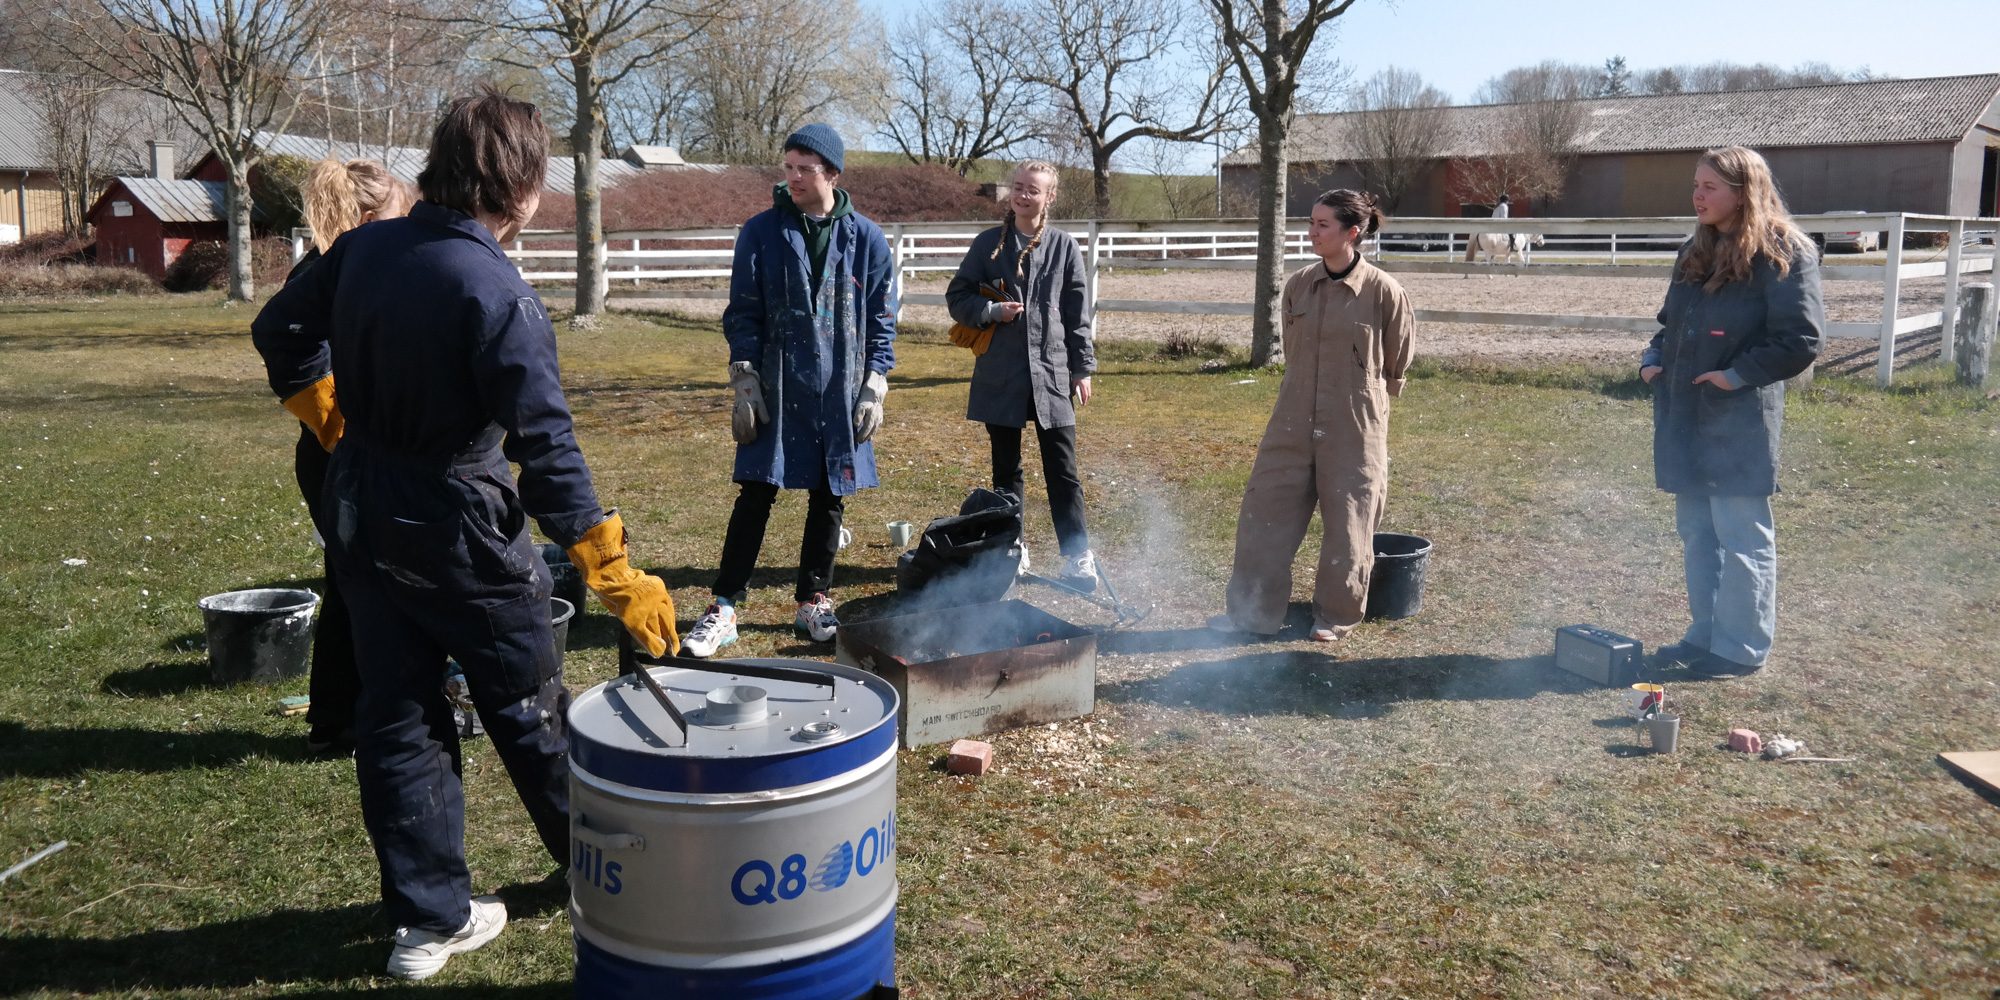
(640, 600)
(316, 407)
(978, 338)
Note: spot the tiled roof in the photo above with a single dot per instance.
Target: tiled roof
(174, 201)
(124, 115)
(406, 162)
(20, 124)
(1936, 109)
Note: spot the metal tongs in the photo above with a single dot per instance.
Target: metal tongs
(640, 666)
(1127, 614)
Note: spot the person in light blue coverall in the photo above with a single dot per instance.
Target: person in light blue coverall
(447, 366)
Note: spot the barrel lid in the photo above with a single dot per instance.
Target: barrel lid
(734, 715)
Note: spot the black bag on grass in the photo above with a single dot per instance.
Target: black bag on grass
(970, 558)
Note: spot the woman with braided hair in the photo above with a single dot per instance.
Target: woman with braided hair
(338, 197)
(1026, 280)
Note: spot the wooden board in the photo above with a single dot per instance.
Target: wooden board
(1982, 766)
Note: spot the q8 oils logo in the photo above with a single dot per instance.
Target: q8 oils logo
(759, 881)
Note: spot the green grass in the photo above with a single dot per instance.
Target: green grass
(1425, 810)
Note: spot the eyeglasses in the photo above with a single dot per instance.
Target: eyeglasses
(803, 169)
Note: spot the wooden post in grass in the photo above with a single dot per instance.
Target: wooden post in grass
(1973, 332)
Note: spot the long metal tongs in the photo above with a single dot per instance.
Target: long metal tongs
(1127, 614)
(642, 668)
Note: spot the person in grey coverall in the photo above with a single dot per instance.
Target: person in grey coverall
(1742, 315)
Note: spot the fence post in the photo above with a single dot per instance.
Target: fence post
(1614, 248)
(900, 254)
(1090, 290)
(1955, 232)
(1892, 287)
(635, 263)
(1977, 305)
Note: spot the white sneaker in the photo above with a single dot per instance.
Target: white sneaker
(1080, 571)
(1025, 568)
(715, 629)
(816, 619)
(420, 954)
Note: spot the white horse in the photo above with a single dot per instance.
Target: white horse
(1505, 246)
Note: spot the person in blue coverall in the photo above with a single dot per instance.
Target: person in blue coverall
(811, 324)
(447, 367)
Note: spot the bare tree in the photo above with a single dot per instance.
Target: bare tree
(1183, 195)
(1399, 133)
(592, 46)
(1268, 43)
(384, 72)
(1530, 141)
(1109, 68)
(228, 68)
(778, 65)
(957, 90)
(654, 107)
(1718, 77)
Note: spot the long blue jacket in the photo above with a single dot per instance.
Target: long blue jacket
(1722, 442)
(812, 348)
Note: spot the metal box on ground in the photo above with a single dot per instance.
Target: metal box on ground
(977, 669)
(1599, 654)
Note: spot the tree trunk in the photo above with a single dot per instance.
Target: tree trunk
(585, 137)
(1100, 181)
(242, 284)
(1266, 348)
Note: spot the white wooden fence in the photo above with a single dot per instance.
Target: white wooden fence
(1592, 248)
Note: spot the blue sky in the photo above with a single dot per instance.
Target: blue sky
(1458, 44)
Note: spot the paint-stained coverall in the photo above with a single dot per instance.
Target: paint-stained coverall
(1347, 343)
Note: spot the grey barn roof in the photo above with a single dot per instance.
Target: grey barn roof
(127, 118)
(407, 161)
(177, 201)
(20, 124)
(1934, 109)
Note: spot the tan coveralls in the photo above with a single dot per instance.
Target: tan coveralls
(1347, 344)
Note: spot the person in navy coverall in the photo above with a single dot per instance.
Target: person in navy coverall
(447, 367)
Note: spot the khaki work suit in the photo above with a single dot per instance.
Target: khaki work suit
(1347, 344)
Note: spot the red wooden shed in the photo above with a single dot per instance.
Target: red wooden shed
(146, 222)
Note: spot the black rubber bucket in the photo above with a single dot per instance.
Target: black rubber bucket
(259, 635)
(568, 582)
(560, 612)
(1396, 589)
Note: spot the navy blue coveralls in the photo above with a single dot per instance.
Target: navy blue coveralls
(447, 371)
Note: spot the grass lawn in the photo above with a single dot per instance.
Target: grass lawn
(1427, 810)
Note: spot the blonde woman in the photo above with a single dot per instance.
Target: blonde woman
(1742, 315)
(1349, 334)
(338, 197)
(1027, 280)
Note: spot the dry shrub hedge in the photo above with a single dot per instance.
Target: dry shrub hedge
(204, 266)
(22, 281)
(691, 199)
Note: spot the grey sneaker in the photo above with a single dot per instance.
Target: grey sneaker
(420, 954)
(816, 619)
(1080, 571)
(715, 629)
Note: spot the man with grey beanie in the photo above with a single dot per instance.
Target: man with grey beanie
(811, 324)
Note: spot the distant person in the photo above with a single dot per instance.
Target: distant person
(1027, 281)
(1742, 315)
(811, 325)
(338, 197)
(448, 374)
(1349, 334)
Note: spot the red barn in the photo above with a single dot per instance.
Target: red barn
(146, 222)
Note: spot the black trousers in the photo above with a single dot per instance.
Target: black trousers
(438, 563)
(334, 684)
(1058, 447)
(817, 546)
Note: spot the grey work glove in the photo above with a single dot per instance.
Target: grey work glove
(749, 412)
(868, 409)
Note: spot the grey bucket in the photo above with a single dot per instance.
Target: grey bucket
(1396, 587)
(260, 635)
(560, 612)
(568, 583)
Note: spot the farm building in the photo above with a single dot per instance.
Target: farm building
(118, 123)
(407, 161)
(1926, 145)
(147, 222)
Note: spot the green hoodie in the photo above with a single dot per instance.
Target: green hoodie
(819, 233)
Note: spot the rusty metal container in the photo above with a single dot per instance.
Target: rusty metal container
(980, 669)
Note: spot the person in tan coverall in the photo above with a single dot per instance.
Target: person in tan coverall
(1348, 336)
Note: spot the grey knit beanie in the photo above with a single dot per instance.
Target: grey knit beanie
(820, 139)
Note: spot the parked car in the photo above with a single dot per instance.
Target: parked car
(1860, 241)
